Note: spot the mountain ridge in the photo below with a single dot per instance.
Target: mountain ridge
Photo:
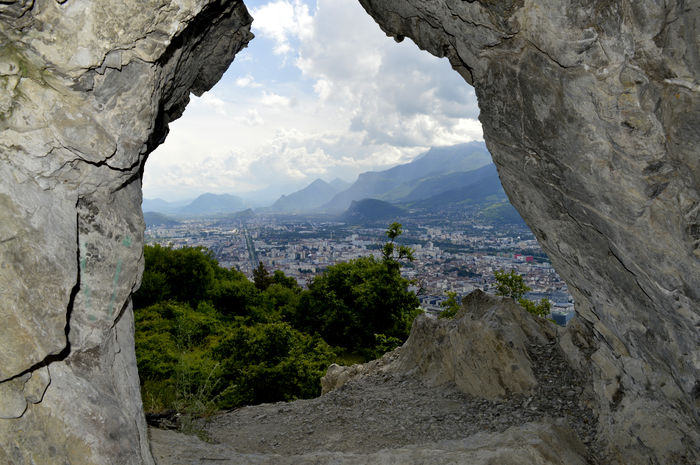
(437, 160)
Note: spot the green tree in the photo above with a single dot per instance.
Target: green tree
(540, 309)
(350, 303)
(390, 252)
(451, 306)
(261, 277)
(512, 285)
(183, 275)
(172, 345)
(269, 362)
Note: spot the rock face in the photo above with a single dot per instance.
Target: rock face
(591, 112)
(87, 91)
(590, 109)
(483, 351)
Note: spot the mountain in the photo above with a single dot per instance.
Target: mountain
(483, 185)
(339, 185)
(312, 196)
(158, 219)
(500, 213)
(484, 196)
(161, 206)
(372, 210)
(430, 186)
(435, 162)
(486, 189)
(213, 204)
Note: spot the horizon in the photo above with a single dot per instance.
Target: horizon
(320, 93)
(254, 202)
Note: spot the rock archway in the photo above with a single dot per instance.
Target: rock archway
(591, 112)
(590, 109)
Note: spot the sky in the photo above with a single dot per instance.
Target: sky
(320, 92)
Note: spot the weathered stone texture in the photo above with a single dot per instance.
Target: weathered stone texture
(591, 111)
(87, 89)
(483, 350)
(532, 443)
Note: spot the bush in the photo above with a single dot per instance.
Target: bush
(207, 337)
(451, 306)
(511, 285)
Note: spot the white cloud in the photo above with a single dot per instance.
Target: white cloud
(323, 88)
(214, 102)
(275, 100)
(395, 93)
(247, 81)
(349, 101)
(281, 21)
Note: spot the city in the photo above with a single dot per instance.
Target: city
(456, 256)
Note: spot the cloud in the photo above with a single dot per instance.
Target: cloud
(275, 100)
(214, 102)
(247, 81)
(282, 21)
(343, 99)
(396, 93)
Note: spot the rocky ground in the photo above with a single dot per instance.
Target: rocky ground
(381, 416)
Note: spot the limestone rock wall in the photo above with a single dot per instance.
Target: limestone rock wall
(87, 89)
(591, 111)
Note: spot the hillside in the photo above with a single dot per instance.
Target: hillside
(484, 187)
(437, 161)
(312, 196)
(162, 206)
(158, 219)
(212, 204)
(372, 211)
(428, 187)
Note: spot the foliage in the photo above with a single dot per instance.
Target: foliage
(392, 254)
(172, 341)
(384, 344)
(209, 338)
(182, 275)
(354, 301)
(268, 362)
(511, 285)
(351, 302)
(451, 306)
(261, 277)
(540, 309)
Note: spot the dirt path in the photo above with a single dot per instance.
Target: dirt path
(376, 413)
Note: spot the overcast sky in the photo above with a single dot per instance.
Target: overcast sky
(320, 92)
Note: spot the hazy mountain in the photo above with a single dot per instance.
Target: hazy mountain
(213, 204)
(372, 210)
(162, 206)
(435, 162)
(485, 189)
(430, 186)
(312, 196)
(158, 219)
(339, 185)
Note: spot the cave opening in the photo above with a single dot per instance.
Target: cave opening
(293, 111)
(590, 112)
